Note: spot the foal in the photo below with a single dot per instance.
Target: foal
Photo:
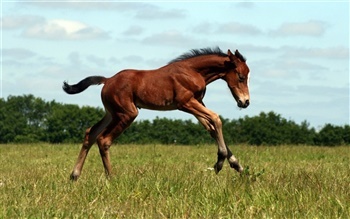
(179, 85)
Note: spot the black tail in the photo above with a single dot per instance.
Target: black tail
(83, 84)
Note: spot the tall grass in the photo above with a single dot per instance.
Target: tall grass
(157, 181)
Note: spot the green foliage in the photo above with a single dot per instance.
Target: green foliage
(165, 131)
(27, 119)
(272, 129)
(331, 135)
(22, 119)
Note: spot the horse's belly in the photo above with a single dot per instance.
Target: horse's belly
(156, 107)
(157, 94)
(153, 104)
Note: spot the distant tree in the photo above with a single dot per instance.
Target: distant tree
(67, 123)
(331, 135)
(137, 133)
(165, 131)
(30, 119)
(22, 119)
(346, 134)
(270, 129)
(302, 134)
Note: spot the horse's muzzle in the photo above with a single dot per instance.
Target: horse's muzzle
(243, 104)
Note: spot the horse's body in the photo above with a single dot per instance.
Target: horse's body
(179, 85)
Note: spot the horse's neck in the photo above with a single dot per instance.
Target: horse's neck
(210, 67)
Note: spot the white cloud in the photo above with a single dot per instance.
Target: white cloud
(23, 21)
(204, 28)
(339, 52)
(309, 28)
(301, 65)
(157, 13)
(133, 30)
(238, 28)
(276, 73)
(64, 30)
(75, 59)
(89, 5)
(17, 53)
(137, 9)
(133, 59)
(100, 62)
(170, 38)
(287, 69)
(226, 28)
(245, 4)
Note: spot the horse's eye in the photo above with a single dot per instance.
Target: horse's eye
(241, 78)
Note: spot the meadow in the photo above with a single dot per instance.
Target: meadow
(171, 181)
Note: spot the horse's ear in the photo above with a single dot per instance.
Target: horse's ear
(232, 57)
(231, 63)
(239, 56)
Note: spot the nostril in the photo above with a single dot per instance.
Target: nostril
(242, 104)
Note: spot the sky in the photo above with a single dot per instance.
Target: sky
(297, 51)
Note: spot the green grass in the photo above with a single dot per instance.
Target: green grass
(157, 181)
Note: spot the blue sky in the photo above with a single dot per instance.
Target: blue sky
(298, 52)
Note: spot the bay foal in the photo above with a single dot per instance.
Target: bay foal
(180, 85)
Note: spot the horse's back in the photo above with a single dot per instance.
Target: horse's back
(149, 89)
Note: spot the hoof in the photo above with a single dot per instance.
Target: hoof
(73, 177)
(237, 167)
(217, 167)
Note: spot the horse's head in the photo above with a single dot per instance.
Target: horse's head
(237, 78)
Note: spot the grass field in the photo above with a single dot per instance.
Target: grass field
(157, 181)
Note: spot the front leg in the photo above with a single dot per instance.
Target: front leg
(213, 126)
(233, 161)
(212, 123)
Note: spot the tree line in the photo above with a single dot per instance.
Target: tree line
(28, 119)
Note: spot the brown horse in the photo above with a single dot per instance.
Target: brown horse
(179, 85)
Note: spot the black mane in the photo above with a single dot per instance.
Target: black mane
(200, 52)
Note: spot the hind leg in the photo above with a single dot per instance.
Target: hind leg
(89, 139)
(116, 127)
